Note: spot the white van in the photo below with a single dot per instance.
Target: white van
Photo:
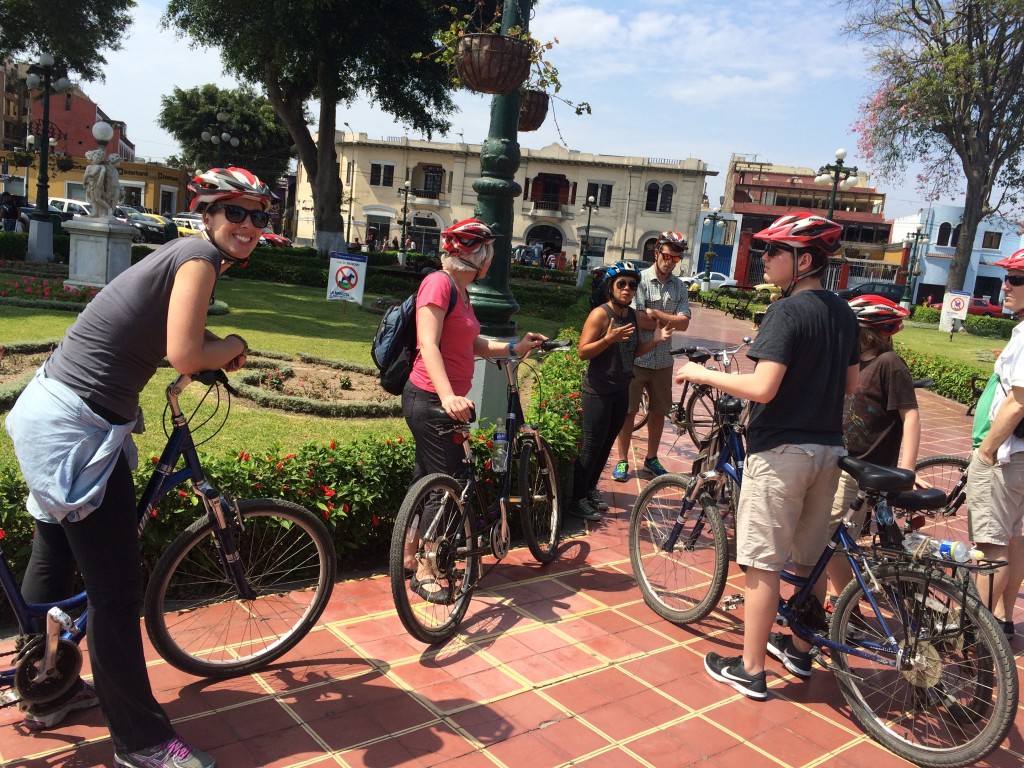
(78, 209)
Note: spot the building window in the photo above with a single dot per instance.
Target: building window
(652, 197)
(382, 174)
(991, 239)
(956, 236)
(666, 199)
(944, 230)
(433, 176)
(602, 193)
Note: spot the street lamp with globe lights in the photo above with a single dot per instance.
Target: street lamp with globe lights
(712, 220)
(218, 136)
(837, 175)
(589, 206)
(404, 192)
(40, 237)
(913, 270)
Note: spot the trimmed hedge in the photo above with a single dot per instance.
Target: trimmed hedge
(14, 245)
(952, 379)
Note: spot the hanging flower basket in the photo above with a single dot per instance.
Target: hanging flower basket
(64, 163)
(533, 108)
(490, 63)
(19, 159)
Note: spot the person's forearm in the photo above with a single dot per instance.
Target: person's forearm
(434, 364)
(1006, 420)
(911, 438)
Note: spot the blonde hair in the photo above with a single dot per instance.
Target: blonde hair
(464, 262)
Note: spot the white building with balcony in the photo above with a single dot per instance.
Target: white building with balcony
(636, 198)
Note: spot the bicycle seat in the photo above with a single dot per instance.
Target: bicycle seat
(438, 412)
(872, 477)
(912, 501)
(729, 405)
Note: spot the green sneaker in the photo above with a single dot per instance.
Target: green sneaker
(621, 472)
(653, 465)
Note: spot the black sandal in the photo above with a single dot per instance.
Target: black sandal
(440, 597)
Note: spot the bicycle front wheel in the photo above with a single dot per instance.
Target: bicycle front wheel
(945, 473)
(680, 560)
(700, 414)
(433, 528)
(194, 615)
(540, 508)
(946, 693)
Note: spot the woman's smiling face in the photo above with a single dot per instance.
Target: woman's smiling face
(237, 240)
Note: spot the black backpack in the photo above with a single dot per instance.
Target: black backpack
(394, 345)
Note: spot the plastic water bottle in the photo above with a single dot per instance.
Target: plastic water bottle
(956, 551)
(499, 447)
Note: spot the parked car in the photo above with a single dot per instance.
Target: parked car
(270, 237)
(718, 280)
(980, 306)
(122, 212)
(152, 228)
(890, 291)
(188, 224)
(77, 208)
(57, 217)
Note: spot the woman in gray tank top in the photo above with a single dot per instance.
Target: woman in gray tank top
(156, 308)
(609, 342)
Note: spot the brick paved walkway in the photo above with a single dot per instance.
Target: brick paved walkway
(555, 666)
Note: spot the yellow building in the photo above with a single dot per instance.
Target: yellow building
(635, 198)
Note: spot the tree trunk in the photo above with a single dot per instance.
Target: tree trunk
(973, 203)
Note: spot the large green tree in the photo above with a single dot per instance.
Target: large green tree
(333, 51)
(74, 31)
(264, 142)
(950, 76)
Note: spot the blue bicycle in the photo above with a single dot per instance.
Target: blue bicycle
(237, 589)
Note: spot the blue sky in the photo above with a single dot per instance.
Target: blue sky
(666, 79)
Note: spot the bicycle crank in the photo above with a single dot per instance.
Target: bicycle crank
(35, 688)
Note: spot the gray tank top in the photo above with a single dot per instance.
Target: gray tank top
(612, 370)
(113, 349)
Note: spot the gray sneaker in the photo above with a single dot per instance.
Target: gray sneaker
(597, 500)
(173, 753)
(583, 510)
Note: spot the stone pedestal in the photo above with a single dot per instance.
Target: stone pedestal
(101, 249)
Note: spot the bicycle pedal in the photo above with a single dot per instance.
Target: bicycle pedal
(732, 602)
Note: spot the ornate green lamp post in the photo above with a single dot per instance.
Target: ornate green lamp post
(40, 234)
(590, 206)
(404, 192)
(912, 270)
(218, 136)
(836, 175)
(712, 220)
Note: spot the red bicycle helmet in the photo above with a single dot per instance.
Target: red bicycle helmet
(804, 230)
(673, 240)
(226, 184)
(1014, 261)
(469, 240)
(879, 313)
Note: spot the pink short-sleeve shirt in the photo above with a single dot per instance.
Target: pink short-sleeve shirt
(460, 330)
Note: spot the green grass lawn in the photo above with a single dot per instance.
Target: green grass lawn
(272, 318)
(293, 319)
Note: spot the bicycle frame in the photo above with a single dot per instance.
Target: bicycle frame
(179, 445)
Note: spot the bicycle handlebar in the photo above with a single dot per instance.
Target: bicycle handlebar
(690, 351)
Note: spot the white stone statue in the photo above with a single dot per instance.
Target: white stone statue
(102, 182)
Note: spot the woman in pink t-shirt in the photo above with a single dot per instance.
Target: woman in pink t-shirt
(442, 373)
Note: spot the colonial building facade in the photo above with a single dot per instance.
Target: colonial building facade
(634, 198)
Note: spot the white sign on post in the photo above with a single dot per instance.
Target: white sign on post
(346, 277)
(954, 307)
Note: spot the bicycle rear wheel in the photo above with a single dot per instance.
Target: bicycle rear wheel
(438, 529)
(946, 693)
(681, 573)
(540, 508)
(944, 473)
(642, 415)
(700, 414)
(194, 615)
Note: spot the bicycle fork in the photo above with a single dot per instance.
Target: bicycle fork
(224, 534)
(688, 503)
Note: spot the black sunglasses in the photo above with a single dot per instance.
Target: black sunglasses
(630, 284)
(775, 250)
(1015, 280)
(236, 215)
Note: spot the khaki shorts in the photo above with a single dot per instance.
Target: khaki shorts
(995, 500)
(783, 511)
(658, 383)
(845, 494)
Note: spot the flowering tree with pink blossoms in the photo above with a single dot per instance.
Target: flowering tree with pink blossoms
(950, 97)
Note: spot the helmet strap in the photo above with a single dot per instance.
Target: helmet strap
(224, 255)
(797, 277)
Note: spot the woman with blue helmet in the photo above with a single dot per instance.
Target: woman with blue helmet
(609, 342)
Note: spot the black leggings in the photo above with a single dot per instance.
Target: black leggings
(105, 545)
(603, 417)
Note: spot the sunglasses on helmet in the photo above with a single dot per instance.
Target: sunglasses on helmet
(1015, 280)
(236, 215)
